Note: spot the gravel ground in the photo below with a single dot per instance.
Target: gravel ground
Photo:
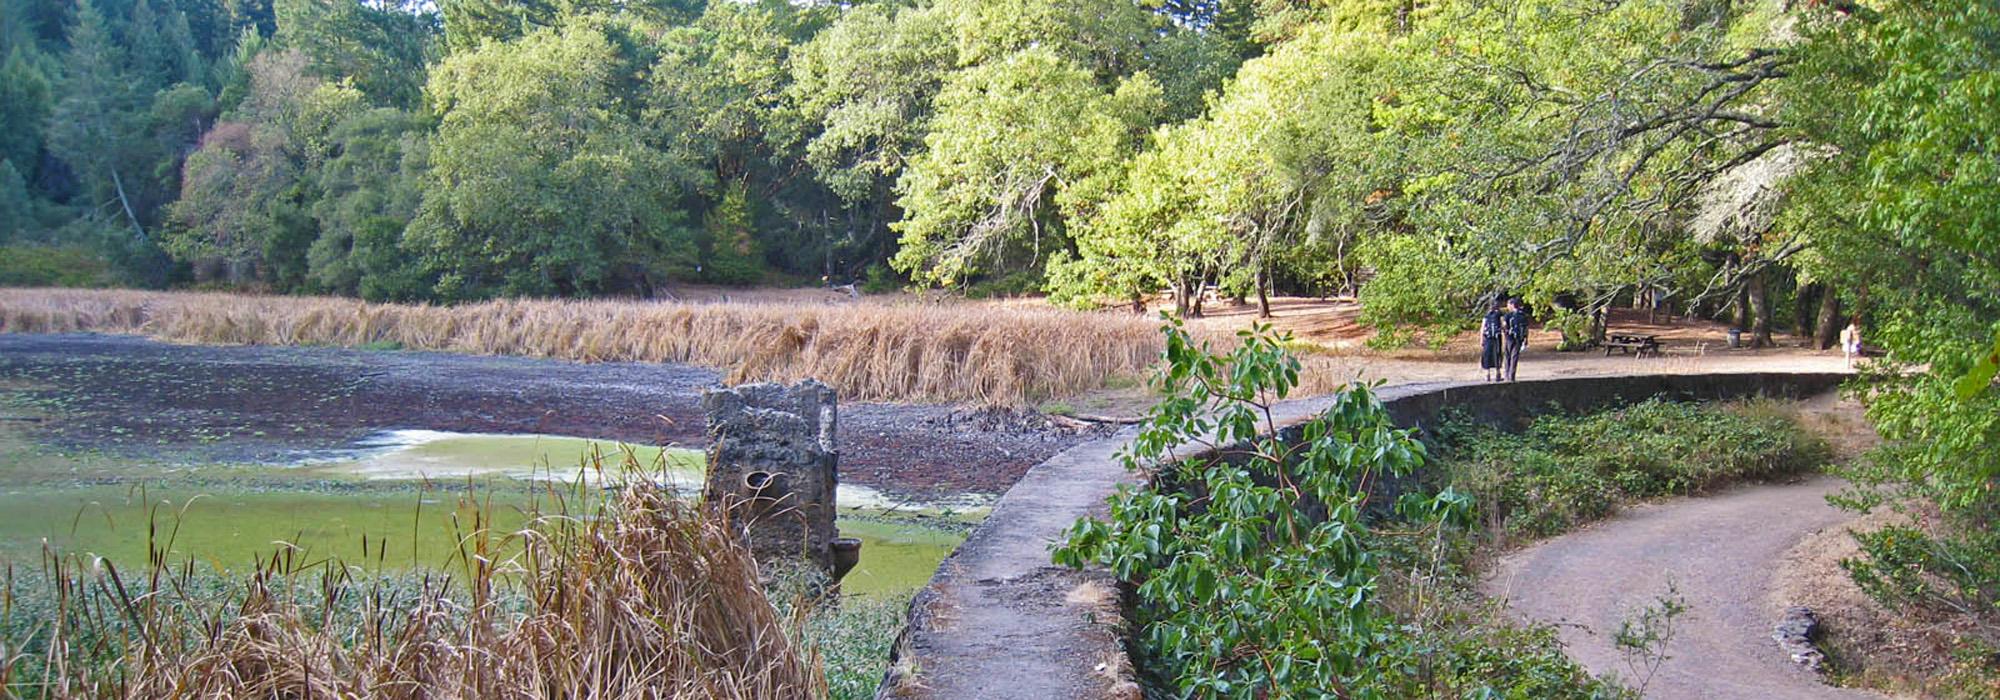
(127, 395)
(1720, 553)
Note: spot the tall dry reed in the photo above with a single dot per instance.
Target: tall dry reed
(646, 596)
(961, 353)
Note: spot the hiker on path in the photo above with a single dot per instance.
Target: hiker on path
(1850, 340)
(1514, 326)
(1491, 343)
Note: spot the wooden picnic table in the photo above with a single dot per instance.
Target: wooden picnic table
(1638, 344)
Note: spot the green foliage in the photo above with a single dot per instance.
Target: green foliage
(727, 248)
(369, 190)
(1911, 87)
(1016, 143)
(868, 81)
(1255, 569)
(25, 103)
(543, 179)
(880, 279)
(1566, 471)
(1642, 640)
(1907, 567)
(852, 635)
(1575, 327)
(1284, 160)
(17, 209)
(84, 126)
(379, 50)
(28, 265)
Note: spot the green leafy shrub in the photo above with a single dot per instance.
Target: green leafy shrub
(880, 279)
(1568, 470)
(1255, 567)
(1575, 328)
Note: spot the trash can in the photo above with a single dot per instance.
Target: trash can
(1735, 338)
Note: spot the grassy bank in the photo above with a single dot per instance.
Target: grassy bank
(638, 594)
(869, 351)
(1568, 470)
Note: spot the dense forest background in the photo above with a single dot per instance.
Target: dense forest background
(1709, 156)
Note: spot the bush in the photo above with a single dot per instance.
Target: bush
(1568, 470)
(1575, 328)
(880, 279)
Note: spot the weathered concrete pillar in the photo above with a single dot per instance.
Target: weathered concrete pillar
(773, 467)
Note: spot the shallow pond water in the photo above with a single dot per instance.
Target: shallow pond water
(411, 496)
(432, 454)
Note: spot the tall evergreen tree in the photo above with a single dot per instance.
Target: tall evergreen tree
(85, 128)
(15, 204)
(24, 109)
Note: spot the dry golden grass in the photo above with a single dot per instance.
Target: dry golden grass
(647, 596)
(961, 353)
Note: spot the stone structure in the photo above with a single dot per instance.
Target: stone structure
(773, 468)
(1795, 633)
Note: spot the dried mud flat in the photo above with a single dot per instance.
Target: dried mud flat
(131, 396)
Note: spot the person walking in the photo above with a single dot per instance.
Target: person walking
(1491, 341)
(1850, 340)
(1514, 328)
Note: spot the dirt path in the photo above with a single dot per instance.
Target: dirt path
(1720, 552)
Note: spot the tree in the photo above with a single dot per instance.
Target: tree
(368, 192)
(161, 46)
(1290, 153)
(867, 82)
(380, 50)
(1559, 145)
(1900, 205)
(239, 206)
(25, 105)
(241, 213)
(86, 128)
(1017, 144)
(16, 208)
(543, 180)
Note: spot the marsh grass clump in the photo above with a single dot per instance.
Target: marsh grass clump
(869, 351)
(1567, 470)
(623, 594)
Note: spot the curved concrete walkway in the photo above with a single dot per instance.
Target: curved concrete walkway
(1718, 551)
(999, 620)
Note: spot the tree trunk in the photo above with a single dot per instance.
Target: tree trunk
(1802, 309)
(1760, 311)
(1182, 304)
(1599, 318)
(1741, 307)
(126, 202)
(1200, 294)
(1263, 292)
(1829, 318)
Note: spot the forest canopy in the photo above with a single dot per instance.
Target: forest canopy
(1697, 156)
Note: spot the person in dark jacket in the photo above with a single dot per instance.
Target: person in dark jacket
(1514, 326)
(1491, 343)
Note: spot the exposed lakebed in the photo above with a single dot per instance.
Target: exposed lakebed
(119, 446)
